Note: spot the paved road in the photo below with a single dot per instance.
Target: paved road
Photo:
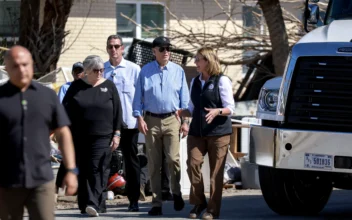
(241, 205)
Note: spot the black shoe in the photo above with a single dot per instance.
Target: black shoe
(102, 211)
(167, 196)
(197, 210)
(133, 207)
(179, 204)
(155, 211)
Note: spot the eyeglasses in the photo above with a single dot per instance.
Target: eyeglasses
(117, 46)
(161, 49)
(98, 70)
(197, 59)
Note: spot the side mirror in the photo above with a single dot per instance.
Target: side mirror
(314, 14)
(311, 15)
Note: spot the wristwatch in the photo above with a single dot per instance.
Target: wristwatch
(220, 111)
(117, 134)
(73, 170)
(185, 121)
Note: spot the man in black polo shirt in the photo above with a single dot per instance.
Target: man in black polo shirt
(28, 112)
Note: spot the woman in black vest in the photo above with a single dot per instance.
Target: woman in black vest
(210, 106)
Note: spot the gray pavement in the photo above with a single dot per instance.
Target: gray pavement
(238, 205)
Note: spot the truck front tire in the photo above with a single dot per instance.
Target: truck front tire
(294, 192)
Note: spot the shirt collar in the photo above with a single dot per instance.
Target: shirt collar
(122, 63)
(33, 85)
(165, 67)
(201, 77)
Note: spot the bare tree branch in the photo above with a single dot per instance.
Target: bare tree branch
(79, 32)
(231, 39)
(44, 38)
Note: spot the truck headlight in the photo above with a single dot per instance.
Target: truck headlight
(268, 99)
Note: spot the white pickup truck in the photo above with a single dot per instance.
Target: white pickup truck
(304, 145)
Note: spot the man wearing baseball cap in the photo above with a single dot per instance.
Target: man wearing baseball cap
(77, 73)
(160, 91)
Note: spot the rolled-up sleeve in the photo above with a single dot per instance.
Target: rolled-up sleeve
(118, 121)
(137, 105)
(117, 125)
(226, 95)
(190, 103)
(184, 92)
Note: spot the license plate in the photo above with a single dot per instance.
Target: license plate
(318, 161)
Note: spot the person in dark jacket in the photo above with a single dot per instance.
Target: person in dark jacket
(210, 106)
(94, 107)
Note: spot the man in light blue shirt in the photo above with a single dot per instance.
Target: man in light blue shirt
(162, 90)
(125, 74)
(77, 73)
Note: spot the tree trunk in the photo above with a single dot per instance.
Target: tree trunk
(42, 31)
(277, 30)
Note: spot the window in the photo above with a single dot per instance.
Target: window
(253, 24)
(149, 15)
(9, 18)
(125, 27)
(152, 16)
(247, 55)
(253, 21)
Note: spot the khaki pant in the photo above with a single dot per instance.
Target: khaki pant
(39, 202)
(217, 148)
(163, 134)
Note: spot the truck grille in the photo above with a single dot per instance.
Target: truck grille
(320, 96)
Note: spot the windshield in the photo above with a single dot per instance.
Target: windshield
(338, 10)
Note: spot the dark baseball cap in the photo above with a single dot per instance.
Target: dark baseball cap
(161, 41)
(77, 65)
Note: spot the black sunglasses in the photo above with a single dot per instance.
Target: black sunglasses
(117, 46)
(161, 49)
(99, 70)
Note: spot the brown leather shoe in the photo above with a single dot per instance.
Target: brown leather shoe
(196, 211)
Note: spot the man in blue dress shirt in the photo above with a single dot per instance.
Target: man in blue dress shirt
(77, 73)
(162, 90)
(125, 74)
